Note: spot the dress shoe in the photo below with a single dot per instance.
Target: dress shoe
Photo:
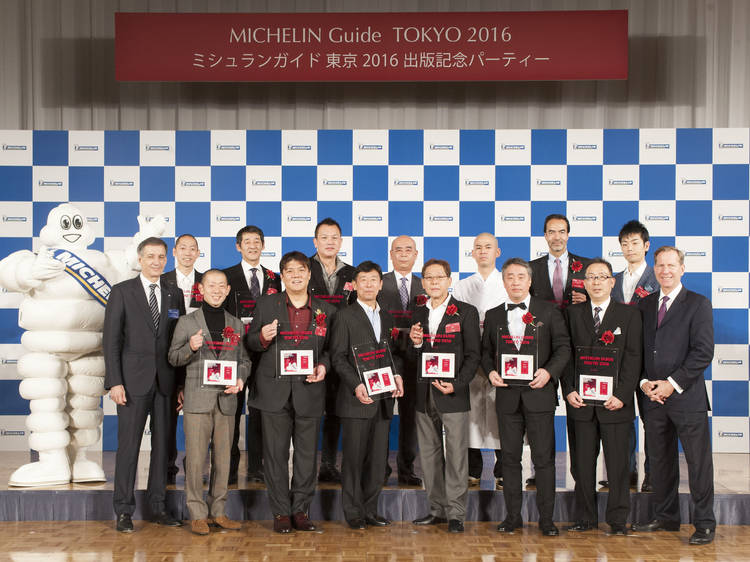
(329, 473)
(409, 480)
(549, 529)
(124, 523)
(232, 480)
(199, 526)
(357, 524)
(455, 526)
(498, 483)
(531, 481)
(604, 483)
(301, 522)
(388, 472)
(580, 527)
(226, 523)
(256, 476)
(646, 486)
(702, 536)
(508, 526)
(615, 530)
(282, 524)
(657, 525)
(473, 482)
(430, 520)
(376, 520)
(165, 519)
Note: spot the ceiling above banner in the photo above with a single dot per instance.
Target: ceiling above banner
(372, 47)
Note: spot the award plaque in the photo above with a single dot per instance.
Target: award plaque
(245, 306)
(375, 367)
(596, 373)
(438, 365)
(296, 350)
(517, 356)
(219, 372)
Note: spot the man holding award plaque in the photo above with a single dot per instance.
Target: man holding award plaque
(525, 350)
(446, 340)
(363, 335)
(289, 335)
(208, 343)
(599, 387)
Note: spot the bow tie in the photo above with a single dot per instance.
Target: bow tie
(521, 305)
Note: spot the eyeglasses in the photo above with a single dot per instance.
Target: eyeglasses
(431, 278)
(598, 277)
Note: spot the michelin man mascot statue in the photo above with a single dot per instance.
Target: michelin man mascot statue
(66, 287)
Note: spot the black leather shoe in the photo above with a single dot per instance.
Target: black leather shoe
(256, 476)
(166, 520)
(455, 526)
(509, 526)
(282, 524)
(124, 523)
(581, 526)
(618, 530)
(531, 481)
(430, 520)
(409, 480)
(232, 481)
(329, 473)
(357, 524)
(376, 520)
(702, 536)
(646, 486)
(657, 525)
(604, 483)
(549, 530)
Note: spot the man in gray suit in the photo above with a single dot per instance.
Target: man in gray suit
(208, 410)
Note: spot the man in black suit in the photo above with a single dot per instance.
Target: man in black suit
(139, 321)
(527, 408)
(611, 327)
(249, 281)
(401, 287)
(185, 277)
(291, 406)
(558, 278)
(447, 326)
(678, 346)
(331, 281)
(364, 421)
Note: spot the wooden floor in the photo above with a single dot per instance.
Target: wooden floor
(96, 541)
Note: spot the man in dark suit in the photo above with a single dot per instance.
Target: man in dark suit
(678, 346)
(633, 284)
(331, 281)
(558, 278)
(444, 325)
(611, 327)
(401, 287)
(527, 408)
(291, 406)
(249, 281)
(186, 278)
(139, 320)
(364, 421)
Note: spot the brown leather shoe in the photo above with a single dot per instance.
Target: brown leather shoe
(226, 523)
(199, 526)
(282, 524)
(301, 522)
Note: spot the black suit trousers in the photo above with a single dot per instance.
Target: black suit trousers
(331, 424)
(253, 437)
(407, 431)
(664, 428)
(131, 421)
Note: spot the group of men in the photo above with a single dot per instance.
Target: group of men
(659, 333)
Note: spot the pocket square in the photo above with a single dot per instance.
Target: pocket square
(617, 332)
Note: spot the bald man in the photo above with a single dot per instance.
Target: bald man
(484, 290)
(398, 296)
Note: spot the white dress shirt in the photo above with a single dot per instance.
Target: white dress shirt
(603, 308)
(373, 315)
(564, 259)
(247, 269)
(483, 293)
(147, 288)
(516, 325)
(435, 315)
(186, 283)
(630, 281)
(672, 296)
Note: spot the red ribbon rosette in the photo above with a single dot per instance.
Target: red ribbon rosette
(230, 335)
(451, 310)
(271, 291)
(270, 274)
(320, 319)
(607, 337)
(528, 318)
(576, 266)
(348, 286)
(421, 300)
(394, 333)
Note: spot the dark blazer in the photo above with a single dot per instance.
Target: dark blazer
(351, 327)
(629, 357)
(343, 294)
(269, 393)
(389, 298)
(541, 287)
(236, 277)
(134, 351)
(647, 282)
(553, 347)
(196, 299)
(465, 344)
(681, 348)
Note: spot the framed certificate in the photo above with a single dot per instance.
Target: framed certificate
(516, 368)
(295, 362)
(375, 367)
(517, 355)
(296, 350)
(596, 373)
(438, 366)
(219, 361)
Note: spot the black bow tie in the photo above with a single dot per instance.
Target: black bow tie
(521, 305)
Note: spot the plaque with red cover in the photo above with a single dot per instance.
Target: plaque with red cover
(596, 373)
(375, 367)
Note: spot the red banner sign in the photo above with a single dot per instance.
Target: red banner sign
(372, 47)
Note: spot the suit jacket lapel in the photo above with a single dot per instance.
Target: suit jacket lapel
(543, 275)
(366, 321)
(164, 312)
(674, 309)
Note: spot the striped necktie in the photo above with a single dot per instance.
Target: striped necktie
(597, 319)
(153, 305)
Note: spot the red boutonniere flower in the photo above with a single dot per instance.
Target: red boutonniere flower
(641, 292)
(320, 318)
(576, 266)
(528, 318)
(451, 310)
(271, 291)
(394, 333)
(348, 286)
(270, 274)
(195, 293)
(421, 300)
(230, 335)
(607, 337)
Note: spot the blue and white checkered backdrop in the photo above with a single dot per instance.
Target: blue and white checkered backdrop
(442, 187)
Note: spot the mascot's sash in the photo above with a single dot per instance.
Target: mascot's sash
(86, 276)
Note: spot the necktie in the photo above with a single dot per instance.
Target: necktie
(153, 305)
(254, 283)
(404, 293)
(557, 284)
(662, 310)
(597, 319)
(521, 305)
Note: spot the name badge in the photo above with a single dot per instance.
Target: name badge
(454, 327)
(577, 283)
(173, 313)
